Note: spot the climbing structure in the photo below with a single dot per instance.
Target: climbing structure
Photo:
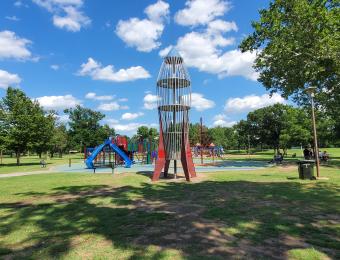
(100, 154)
(174, 101)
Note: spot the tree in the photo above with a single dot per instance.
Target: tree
(153, 133)
(298, 45)
(42, 133)
(143, 132)
(19, 115)
(217, 135)
(85, 128)
(194, 134)
(59, 140)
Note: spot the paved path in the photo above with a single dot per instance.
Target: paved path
(17, 174)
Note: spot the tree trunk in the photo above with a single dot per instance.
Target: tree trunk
(17, 154)
(1, 158)
(60, 154)
(39, 155)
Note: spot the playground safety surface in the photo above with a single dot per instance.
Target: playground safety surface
(217, 165)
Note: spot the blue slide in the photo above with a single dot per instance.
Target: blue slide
(115, 148)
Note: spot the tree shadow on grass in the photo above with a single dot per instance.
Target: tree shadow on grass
(210, 219)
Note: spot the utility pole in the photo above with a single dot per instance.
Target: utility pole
(311, 92)
(201, 139)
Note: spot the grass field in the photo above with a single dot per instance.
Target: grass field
(251, 215)
(32, 163)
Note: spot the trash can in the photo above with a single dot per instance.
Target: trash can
(306, 169)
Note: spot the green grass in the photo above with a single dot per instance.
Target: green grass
(32, 163)
(250, 214)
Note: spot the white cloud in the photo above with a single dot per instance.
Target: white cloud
(144, 34)
(131, 116)
(97, 72)
(221, 26)
(72, 21)
(8, 79)
(67, 14)
(201, 12)
(111, 106)
(224, 123)
(158, 11)
(221, 120)
(14, 47)
(165, 51)
(150, 101)
(205, 49)
(93, 96)
(123, 100)
(124, 128)
(54, 67)
(202, 51)
(200, 103)
(252, 102)
(12, 18)
(58, 102)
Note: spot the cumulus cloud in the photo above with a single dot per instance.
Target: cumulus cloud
(67, 14)
(201, 12)
(111, 106)
(200, 103)
(58, 102)
(72, 21)
(144, 34)
(131, 116)
(150, 101)
(96, 71)
(165, 51)
(94, 96)
(203, 50)
(128, 127)
(222, 120)
(8, 79)
(252, 102)
(13, 46)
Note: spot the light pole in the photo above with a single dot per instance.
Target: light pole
(311, 92)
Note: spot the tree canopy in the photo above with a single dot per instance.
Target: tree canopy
(85, 128)
(298, 45)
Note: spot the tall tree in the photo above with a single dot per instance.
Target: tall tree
(85, 128)
(298, 45)
(59, 140)
(20, 118)
(42, 134)
(143, 132)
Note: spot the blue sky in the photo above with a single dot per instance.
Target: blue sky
(106, 56)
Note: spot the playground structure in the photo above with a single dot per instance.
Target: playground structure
(119, 151)
(174, 101)
(211, 150)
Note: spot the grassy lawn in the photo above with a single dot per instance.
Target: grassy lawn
(250, 214)
(32, 163)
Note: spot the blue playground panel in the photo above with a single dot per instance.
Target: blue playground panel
(115, 148)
